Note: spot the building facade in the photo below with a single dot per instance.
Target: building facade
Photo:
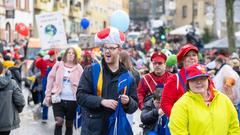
(99, 12)
(13, 12)
(71, 10)
(197, 12)
(139, 10)
(220, 21)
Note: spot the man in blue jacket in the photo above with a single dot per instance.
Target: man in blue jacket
(97, 106)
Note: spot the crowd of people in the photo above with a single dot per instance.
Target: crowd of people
(195, 95)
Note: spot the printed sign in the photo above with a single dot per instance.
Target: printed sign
(51, 30)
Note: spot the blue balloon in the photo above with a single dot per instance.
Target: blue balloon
(120, 20)
(84, 23)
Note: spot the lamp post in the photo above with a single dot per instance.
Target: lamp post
(193, 10)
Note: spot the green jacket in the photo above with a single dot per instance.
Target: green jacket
(191, 116)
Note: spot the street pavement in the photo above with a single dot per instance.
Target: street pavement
(30, 125)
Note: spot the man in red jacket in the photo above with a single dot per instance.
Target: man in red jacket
(175, 85)
(149, 81)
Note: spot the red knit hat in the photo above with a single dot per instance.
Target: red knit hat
(158, 57)
(184, 50)
(196, 70)
(51, 52)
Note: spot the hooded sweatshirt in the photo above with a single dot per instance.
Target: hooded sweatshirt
(12, 102)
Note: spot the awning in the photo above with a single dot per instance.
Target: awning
(223, 43)
(34, 43)
(183, 30)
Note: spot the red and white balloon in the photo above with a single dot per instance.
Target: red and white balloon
(22, 29)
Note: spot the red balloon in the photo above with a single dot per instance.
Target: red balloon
(22, 29)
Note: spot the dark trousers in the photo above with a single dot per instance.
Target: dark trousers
(35, 97)
(65, 109)
(4, 132)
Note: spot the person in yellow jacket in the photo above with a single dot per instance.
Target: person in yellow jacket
(203, 110)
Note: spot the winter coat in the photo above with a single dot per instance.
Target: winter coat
(149, 116)
(55, 80)
(16, 75)
(173, 90)
(94, 115)
(152, 80)
(12, 103)
(191, 116)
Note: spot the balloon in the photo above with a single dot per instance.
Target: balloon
(22, 29)
(171, 60)
(84, 23)
(120, 20)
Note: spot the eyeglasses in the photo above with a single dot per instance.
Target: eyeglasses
(110, 48)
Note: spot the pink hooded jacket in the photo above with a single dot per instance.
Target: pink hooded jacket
(55, 80)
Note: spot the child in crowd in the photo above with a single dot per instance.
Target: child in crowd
(152, 116)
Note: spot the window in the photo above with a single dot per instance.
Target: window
(237, 26)
(17, 4)
(104, 24)
(8, 33)
(78, 4)
(30, 30)
(27, 5)
(65, 2)
(208, 8)
(195, 9)
(22, 4)
(71, 3)
(184, 11)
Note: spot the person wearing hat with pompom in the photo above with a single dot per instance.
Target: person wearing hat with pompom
(203, 109)
(158, 76)
(175, 85)
(99, 92)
